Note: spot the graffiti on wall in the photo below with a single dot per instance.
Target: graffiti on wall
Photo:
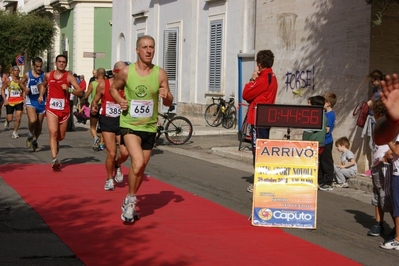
(299, 80)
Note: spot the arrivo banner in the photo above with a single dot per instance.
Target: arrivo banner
(285, 185)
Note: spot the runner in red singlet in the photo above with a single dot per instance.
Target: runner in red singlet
(109, 126)
(60, 83)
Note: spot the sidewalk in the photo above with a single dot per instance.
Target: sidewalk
(200, 128)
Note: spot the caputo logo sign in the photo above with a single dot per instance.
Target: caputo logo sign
(267, 214)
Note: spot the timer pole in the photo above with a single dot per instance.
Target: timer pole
(288, 133)
(94, 60)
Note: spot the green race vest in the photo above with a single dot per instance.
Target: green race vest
(93, 91)
(142, 95)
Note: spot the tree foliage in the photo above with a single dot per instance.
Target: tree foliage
(27, 34)
(382, 6)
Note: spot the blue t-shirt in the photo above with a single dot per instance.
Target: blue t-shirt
(32, 84)
(331, 124)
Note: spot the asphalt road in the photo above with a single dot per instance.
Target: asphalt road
(344, 216)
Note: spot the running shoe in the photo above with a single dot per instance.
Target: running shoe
(15, 135)
(390, 244)
(326, 187)
(376, 230)
(128, 211)
(35, 146)
(118, 175)
(96, 142)
(250, 188)
(6, 124)
(367, 173)
(29, 141)
(101, 147)
(56, 165)
(109, 184)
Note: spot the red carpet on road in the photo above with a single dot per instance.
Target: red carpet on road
(176, 227)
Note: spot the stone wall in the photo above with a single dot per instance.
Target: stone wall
(320, 46)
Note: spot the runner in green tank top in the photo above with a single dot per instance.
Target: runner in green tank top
(91, 92)
(142, 84)
(142, 112)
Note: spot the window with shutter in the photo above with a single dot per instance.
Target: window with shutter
(170, 57)
(215, 55)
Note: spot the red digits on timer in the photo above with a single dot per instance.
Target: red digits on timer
(296, 116)
(272, 115)
(314, 118)
(305, 115)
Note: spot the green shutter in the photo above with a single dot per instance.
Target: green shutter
(215, 55)
(170, 59)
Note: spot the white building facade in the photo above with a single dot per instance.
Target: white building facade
(197, 43)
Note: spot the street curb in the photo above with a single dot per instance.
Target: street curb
(212, 132)
(233, 153)
(361, 183)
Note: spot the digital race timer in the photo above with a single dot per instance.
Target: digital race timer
(291, 116)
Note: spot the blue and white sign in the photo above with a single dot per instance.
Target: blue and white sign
(20, 60)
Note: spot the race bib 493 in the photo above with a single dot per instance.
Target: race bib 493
(57, 104)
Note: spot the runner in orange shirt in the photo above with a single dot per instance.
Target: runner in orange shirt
(15, 100)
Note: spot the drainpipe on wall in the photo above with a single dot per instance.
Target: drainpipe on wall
(247, 55)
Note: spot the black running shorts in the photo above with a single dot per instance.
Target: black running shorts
(147, 138)
(109, 124)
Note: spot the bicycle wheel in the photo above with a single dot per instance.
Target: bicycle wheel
(213, 115)
(229, 119)
(178, 130)
(159, 133)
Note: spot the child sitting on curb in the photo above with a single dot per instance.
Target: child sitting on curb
(348, 167)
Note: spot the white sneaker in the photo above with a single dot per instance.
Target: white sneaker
(15, 135)
(6, 124)
(96, 142)
(390, 244)
(343, 185)
(128, 211)
(109, 184)
(118, 175)
(250, 188)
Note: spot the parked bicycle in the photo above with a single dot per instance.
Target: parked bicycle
(220, 112)
(244, 135)
(177, 129)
